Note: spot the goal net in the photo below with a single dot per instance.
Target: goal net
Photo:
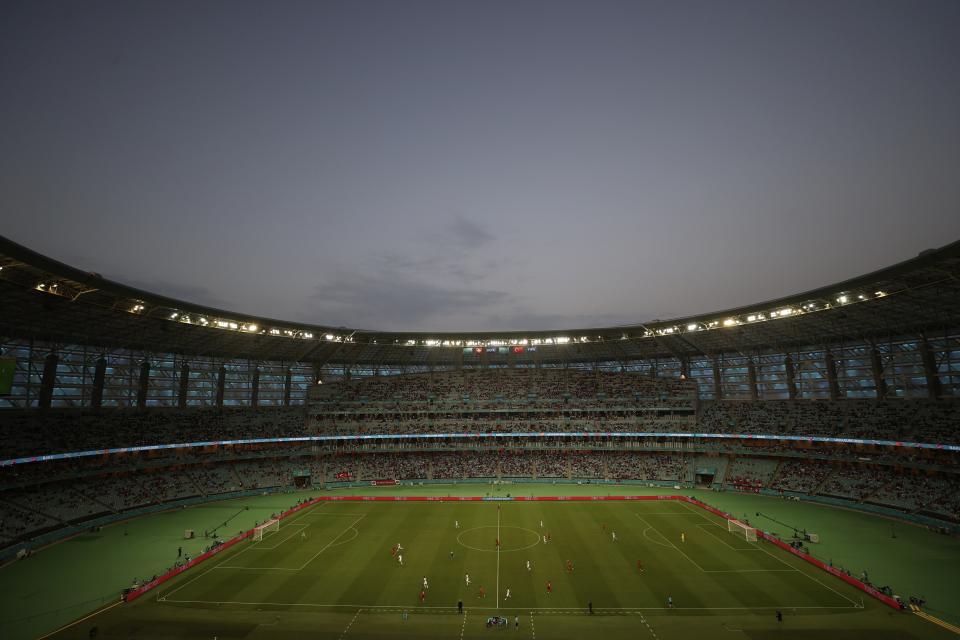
(741, 529)
(266, 527)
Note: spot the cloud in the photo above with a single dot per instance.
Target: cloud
(181, 291)
(519, 319)
(398, 302)
(460, 234)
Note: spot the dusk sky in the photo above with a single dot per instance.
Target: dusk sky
(479, 166)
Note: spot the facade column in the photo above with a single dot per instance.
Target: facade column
(834, 384)
(930, 369)
(143, 384)
(48, 381)
(717, 374)
(99, 378)
(184, 385)
(255, 388)
(791, 377)
(876, 365)
(221, 385)
(752, 379)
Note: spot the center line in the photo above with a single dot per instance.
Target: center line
(498, 556)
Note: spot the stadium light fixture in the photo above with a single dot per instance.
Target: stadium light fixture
(692, 326)
(842, 299)
(730, 322)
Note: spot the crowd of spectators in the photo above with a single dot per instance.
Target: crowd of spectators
(628, 403)
(916, 419)
(31, 432)
(57, 503)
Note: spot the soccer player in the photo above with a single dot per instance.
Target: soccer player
(569, 566)
(497, 540)
(423, 596)
(483, 592)
(544, 539)
(549, 538)
(425, 585)
(549, 587)
(466, 579)
(613, 534)
(456, 524)
(640, 566)
(670, 601)
(528, 566)
(400, 559)
(451, 555)
(507, 597)
(393, 551)
(541, 524)
(683, 537)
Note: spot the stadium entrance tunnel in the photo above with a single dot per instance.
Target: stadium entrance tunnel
(511, 538)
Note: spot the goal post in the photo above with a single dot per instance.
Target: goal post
(741, 529)
(266, 527)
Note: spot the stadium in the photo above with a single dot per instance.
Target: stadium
(784, 469)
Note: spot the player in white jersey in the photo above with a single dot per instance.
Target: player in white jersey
(400, 559)
(425, 585)
(614, 534)
(528, 566)
(507, 597)
(466, 579)
(456, 524)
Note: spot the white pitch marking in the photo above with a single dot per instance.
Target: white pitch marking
(672, 545)
(326, 546)
(295, 524)
(394, 607)
(782, 561)
(706, 528)
(498, 557)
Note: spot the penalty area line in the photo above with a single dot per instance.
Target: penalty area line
(781, 560)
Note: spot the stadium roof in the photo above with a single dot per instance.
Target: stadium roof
(44, 299)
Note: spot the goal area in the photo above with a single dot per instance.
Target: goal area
(266, 527)
(740, 529)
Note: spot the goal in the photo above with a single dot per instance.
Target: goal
(739, 528)
(266, 527)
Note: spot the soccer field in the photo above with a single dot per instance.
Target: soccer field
(331, 571)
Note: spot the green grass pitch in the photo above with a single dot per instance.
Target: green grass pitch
(330, 572)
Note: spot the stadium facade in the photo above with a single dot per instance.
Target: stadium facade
(77, 339)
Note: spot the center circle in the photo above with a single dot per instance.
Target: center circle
(485, 538)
